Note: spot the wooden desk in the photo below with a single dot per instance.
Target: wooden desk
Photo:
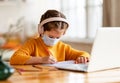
(52, 75)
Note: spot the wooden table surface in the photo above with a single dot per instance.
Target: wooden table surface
(30, 74)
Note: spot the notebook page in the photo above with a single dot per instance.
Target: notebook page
(69, 65)
(61, 63)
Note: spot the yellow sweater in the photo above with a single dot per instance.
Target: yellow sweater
(36, 48)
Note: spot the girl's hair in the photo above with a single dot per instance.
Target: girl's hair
(54, 24)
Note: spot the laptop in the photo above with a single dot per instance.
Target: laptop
(105, 53)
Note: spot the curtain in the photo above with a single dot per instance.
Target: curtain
(111, 13)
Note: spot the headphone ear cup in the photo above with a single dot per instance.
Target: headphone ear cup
(40, 29)
(64, 32)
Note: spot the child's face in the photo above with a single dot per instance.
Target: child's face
(55, 33)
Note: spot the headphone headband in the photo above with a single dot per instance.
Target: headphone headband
(40, 26)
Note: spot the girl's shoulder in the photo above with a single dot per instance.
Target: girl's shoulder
(31, 40)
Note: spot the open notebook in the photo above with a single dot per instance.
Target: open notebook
(69, 65)
(105, 53)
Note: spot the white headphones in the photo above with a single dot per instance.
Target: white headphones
(40, 26)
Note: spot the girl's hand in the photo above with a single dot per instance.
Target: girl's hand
(48, 59)
(82, 59)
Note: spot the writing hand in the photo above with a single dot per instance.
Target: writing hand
(48, 59)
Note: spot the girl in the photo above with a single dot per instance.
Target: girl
(48, 48)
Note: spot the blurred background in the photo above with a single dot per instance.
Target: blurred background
(19, 20)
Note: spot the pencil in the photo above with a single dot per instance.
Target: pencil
(19, 70)
(38, 67)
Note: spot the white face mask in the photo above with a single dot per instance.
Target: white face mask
(49, 41)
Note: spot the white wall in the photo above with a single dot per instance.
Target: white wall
(31, 10)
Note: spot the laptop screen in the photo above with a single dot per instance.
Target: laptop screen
(106, 49)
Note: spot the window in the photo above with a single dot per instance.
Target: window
(85, 16)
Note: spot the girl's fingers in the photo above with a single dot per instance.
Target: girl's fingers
(48, 59)
(82, 60)
(53, 59)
